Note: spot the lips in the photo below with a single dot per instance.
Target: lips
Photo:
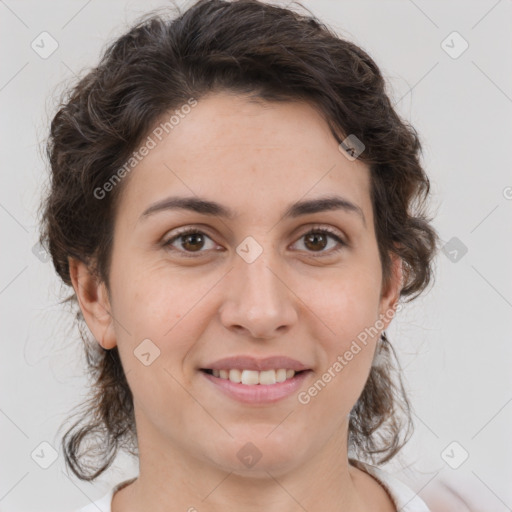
(251, 363)
(253, 377)
(256, 394)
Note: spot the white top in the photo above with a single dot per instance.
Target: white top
(404, 498)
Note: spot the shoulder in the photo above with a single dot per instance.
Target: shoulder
(104, 504)
(404, 498)
(450, 493)
(456, 494)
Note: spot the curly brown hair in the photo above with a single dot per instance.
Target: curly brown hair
(247, 47)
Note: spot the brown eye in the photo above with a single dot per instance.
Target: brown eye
(317, 240)
(192, 241)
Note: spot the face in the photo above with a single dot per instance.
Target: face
(272, 280)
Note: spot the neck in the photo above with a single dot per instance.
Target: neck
(171, 479)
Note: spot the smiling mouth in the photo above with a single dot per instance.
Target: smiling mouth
(253, 377)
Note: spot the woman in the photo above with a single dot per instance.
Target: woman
(239, 209)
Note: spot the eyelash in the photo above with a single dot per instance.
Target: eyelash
(187, 231)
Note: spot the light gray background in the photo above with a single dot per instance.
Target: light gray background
(454, 343)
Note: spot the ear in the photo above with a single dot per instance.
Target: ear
(391, 290)
(93, 300)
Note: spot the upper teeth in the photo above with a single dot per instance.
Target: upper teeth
(252, 377)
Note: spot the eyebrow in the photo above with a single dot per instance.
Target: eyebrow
(206, 207)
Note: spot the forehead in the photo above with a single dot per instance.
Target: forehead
(255, 156)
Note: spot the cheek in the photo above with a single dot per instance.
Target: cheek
(150, 295)
(346, 351)
(348, 306)
(154, 339)
(164, 306)
(347, 302)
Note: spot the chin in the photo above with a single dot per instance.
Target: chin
(257, 455)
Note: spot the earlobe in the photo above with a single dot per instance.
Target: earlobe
(93, 300)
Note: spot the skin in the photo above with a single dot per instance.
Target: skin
(298, 298)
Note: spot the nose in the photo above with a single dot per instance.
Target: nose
(259, 303)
